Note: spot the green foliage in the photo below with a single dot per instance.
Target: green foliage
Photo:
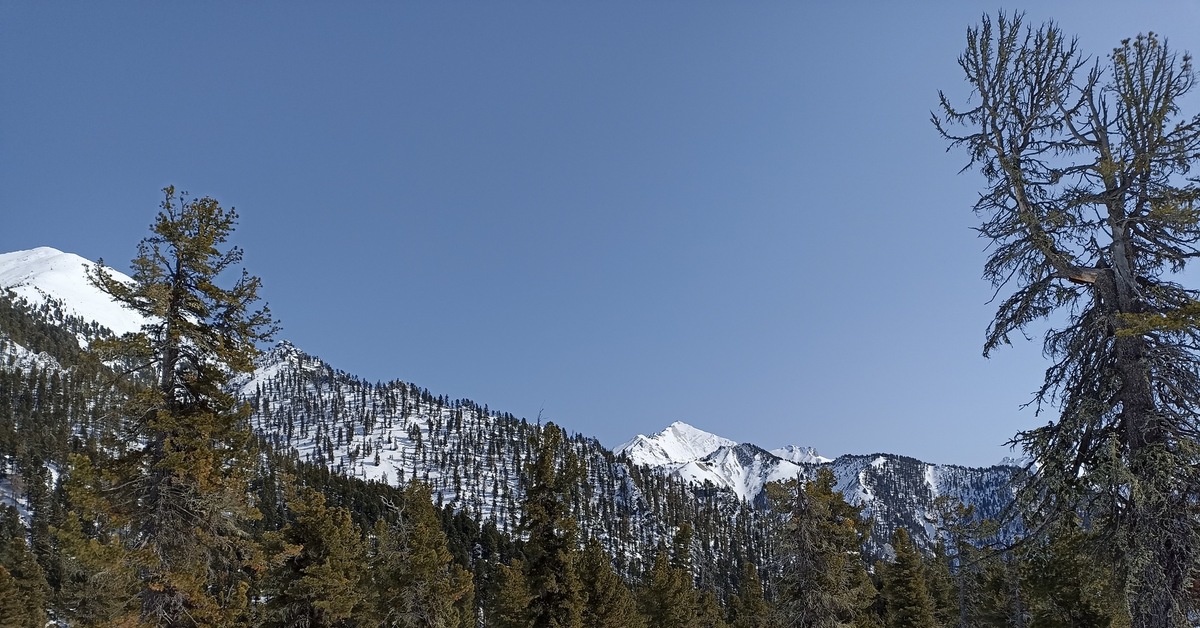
(183, 487)
(668, 598)
(318, 575)
(904, 588)
(1066, 585)
(22, 578)
(749, 608)
(823, 581)
(99, 581)
(510, 605)
(417, 584)
(608, 602)
(556, 593)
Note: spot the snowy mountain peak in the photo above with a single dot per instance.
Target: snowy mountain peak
(800, 455)
(678, 443)
(44, 274)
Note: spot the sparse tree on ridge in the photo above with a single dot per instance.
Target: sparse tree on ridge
(1089, 214)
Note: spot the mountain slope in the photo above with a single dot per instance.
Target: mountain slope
(45, 275)
(475, 458)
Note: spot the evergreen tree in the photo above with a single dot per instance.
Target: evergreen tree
(749, 608)
(98, 581)
(556, 594)
(709, 613)
(510, 603)
(318, 575)
(823, 576)
(14, 605)
(940, 585)
(608, 602)
(904, 591)
(1089, 212)
(417, 583)
(22, 578)
(668, 599)
(1066, 585)
(183, 486)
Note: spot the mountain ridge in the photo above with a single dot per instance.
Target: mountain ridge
(472, 457)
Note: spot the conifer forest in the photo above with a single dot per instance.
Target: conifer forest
(204, 472)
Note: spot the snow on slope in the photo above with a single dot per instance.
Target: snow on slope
(45, 273)
(678, 444)
(743, 468)
(698, 456)
(800, 455)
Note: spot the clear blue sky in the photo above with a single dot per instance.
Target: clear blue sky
(619, 213)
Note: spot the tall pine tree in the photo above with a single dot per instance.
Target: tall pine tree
(417, 583)
(823, 581)
(184, 481)
(1090, 208)
(550, 573)
(905, 593)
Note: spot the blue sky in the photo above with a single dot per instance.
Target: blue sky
(618, 214)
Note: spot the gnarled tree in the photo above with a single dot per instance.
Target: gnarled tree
(1091, 216)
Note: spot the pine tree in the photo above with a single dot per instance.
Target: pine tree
(608, 602)
(904, 591)
(318, 575)
(709, 613)
(23, 578)
(184, 484)
(550, 555)
(1089, 212)
(417, 583)
(510, 603)
(749, 608)
(940, 585)
(822, 579)
(14, 605)
(1066, 585)
(668, 599)
(98, 582)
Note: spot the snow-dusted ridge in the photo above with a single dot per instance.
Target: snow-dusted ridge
(701, 457)
(394, 431)
(678, 443)
(43, 274)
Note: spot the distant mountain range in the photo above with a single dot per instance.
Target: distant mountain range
(474, 456)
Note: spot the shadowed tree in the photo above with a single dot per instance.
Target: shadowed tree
(608, 601)
(1089, 216)
(908, 602)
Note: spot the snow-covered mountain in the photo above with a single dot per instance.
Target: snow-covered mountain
(45, 275)
(475, 458)
(700, 457)
(678, 443)
(893, 490)
(800, 455)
